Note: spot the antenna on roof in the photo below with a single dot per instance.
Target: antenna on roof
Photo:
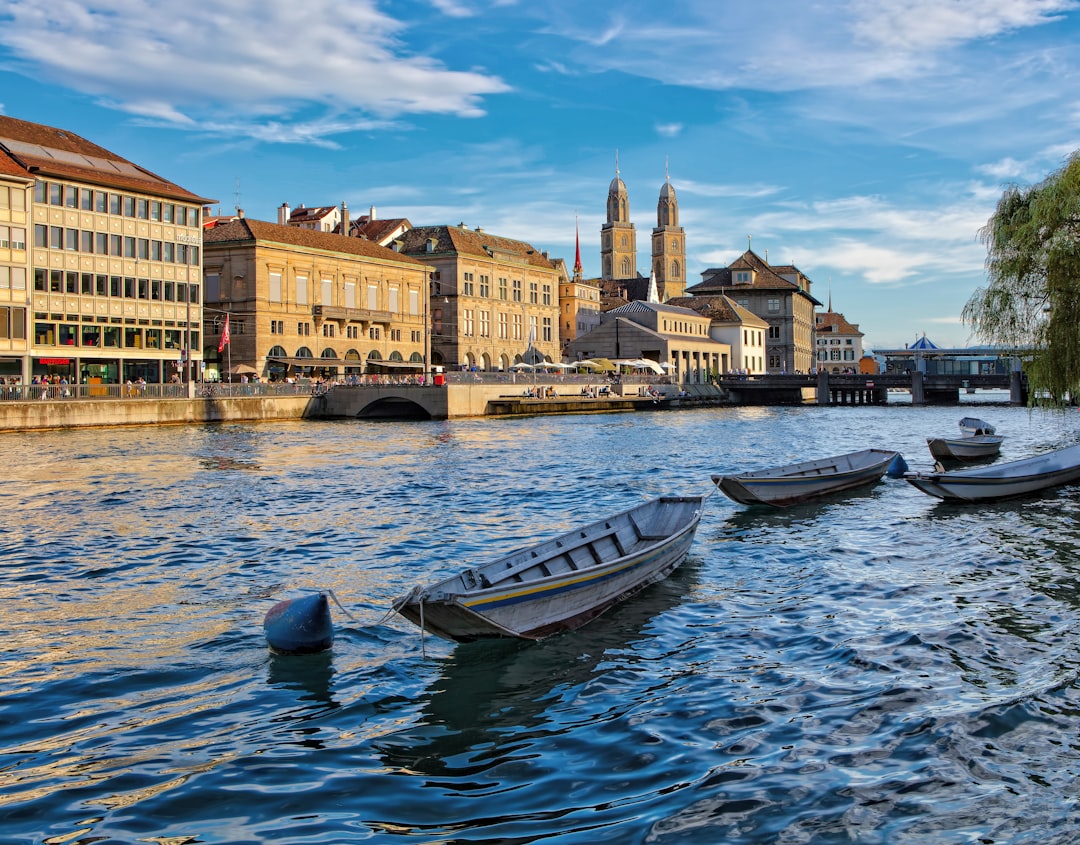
(237, 194)
(616, 161)
(748, 237)
(667, 173)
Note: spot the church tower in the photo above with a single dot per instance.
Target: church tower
(618, 240)
(669, 245)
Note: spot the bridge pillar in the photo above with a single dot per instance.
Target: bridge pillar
(824, 397)
(1017, 394)
(918, 392)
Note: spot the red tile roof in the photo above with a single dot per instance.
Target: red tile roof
(47, 151)
(456, 239)
(247, 230)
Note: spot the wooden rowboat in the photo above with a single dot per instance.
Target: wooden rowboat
(803, 482)
(562, 583)
(977, 442)
(1001, 481)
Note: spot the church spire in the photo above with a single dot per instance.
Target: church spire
(577, 250)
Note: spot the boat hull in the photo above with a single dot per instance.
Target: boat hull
(807, 481)
(1002, 481)
(536, 608)
(974, 448)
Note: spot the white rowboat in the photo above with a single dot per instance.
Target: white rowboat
(802, 482)
(562, 583)
(1001, 481)
(977, 442)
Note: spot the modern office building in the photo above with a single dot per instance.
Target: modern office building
(115, 262)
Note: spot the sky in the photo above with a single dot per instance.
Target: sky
(866, 142)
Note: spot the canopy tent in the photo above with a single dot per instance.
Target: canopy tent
(641, 364)
(604, 365)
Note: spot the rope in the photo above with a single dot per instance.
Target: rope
(343, 610)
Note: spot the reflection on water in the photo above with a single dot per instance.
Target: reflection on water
(877, 668)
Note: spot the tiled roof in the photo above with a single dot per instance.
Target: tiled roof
(765, 277)
(306, 215)
(47, 151)
(10, 167)
(377, 230)
(721, 309)
(625, 289)
(462, 241)
(834, 322)
(639, 306)
(247, 229)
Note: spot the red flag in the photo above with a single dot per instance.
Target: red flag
(224, 336)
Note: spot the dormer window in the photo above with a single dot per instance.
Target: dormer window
(742, 277)
(431, 242)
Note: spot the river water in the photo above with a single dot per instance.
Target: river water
(881, 668)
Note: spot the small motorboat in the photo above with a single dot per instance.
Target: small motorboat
(977, 441)
(562, 583)
(803, 482)
(1001, 481)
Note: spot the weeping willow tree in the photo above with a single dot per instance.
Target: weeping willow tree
(1033, 293)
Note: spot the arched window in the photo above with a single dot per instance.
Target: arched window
(676, 271)
(626, 268)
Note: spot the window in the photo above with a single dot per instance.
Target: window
(773, 306)
(774, 332)
(485, 286)
(327, 293)
(301, 290)
(467, 284)
(350, 294)
(373, 297)
(275, 288)
(502, 288)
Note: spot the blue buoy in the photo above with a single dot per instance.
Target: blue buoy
(300, 626)
(897, 467)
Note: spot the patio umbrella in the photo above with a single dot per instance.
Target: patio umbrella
(243, 369)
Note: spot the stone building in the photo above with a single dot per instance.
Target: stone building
(677, 339)
(115, 258)
(735, 326)
(839, 343)
(778, 294)
(494, 300)
(618, 247)
(301, 302)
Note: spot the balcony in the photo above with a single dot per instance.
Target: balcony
(350, 315)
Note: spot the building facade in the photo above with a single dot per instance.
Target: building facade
(839, 343)
(306, 303)
(494, 301)
(16, 195)
(116, 263)
(618, 248)
(668, 246)
(678, 339)
(780, 295)
(737, 327)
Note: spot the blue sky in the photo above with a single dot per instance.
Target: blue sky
(865, 141)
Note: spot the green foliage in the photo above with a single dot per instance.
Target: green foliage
(1033, 294)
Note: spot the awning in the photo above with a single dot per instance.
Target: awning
(401, 365)
(604, 365)
(316, 362)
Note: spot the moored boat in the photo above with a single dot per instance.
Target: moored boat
(561, 583)
(1002, 481)
(978, 441)
(808, 480)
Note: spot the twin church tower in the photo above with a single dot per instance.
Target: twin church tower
(618, 241)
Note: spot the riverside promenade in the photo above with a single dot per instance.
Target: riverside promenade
(463, 395)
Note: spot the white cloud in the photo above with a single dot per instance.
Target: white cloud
(669, 130)
(259, 62)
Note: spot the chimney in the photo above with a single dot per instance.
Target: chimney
(344, 219)
(240, 213)
(283, 214)
(371, 213)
